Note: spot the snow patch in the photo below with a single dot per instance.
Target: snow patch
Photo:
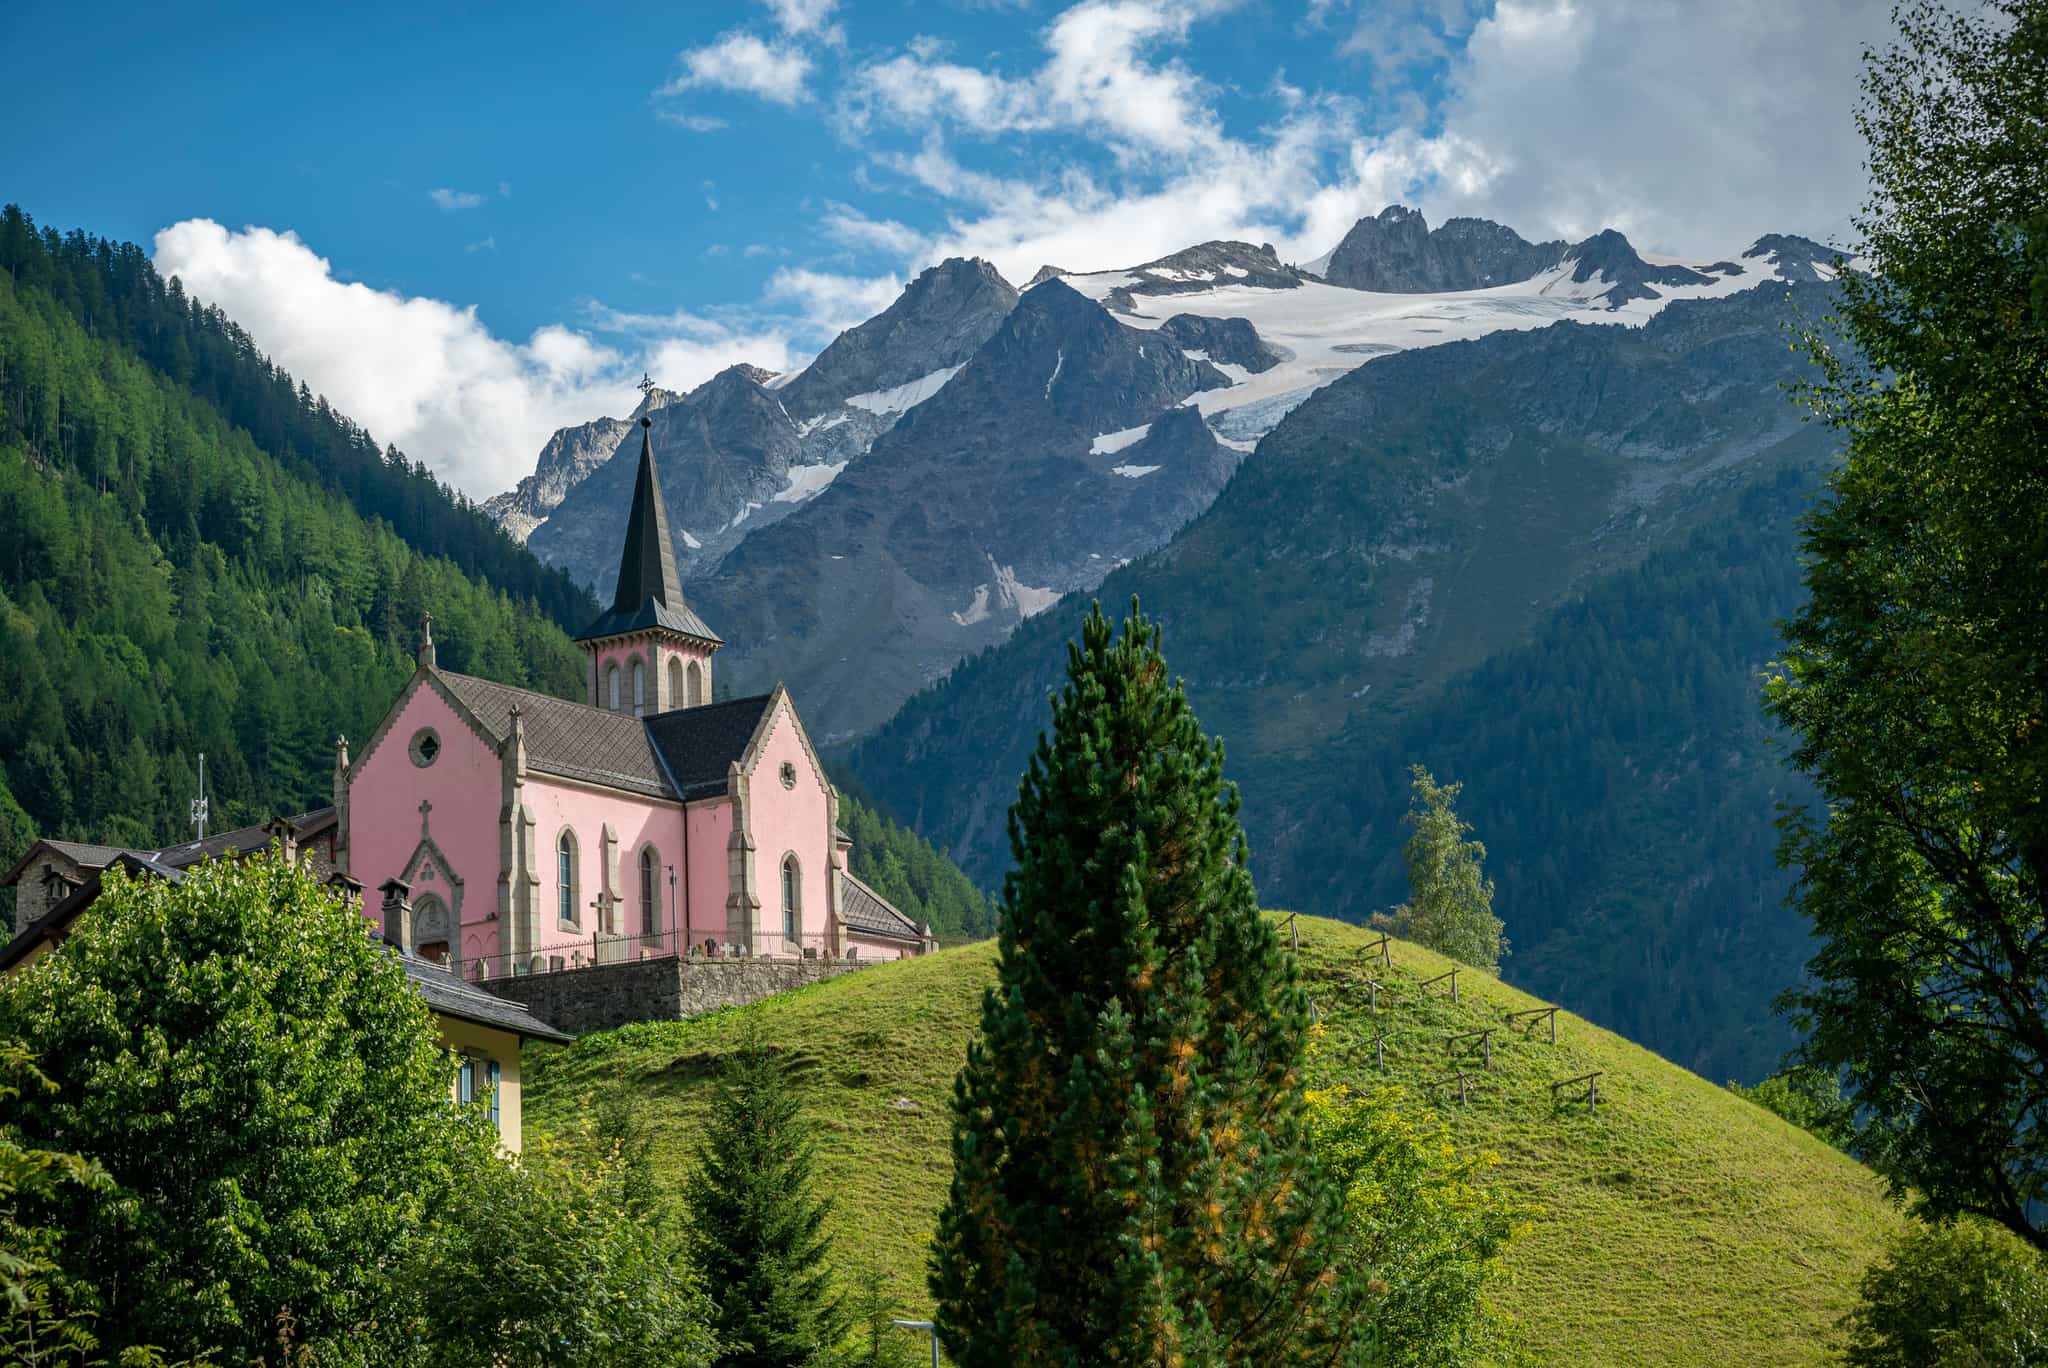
(1059, 359)
(1007, 592)
(1111, 442)
(691, 541)
(906, 396)
(1133, 472)
(740, 516)
(807, 482)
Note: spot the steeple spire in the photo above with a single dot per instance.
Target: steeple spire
(648, 651)
(647, 569)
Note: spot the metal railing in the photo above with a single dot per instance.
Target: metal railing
(601, 948)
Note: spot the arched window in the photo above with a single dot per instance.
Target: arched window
(639, 690)
(792, 910)
(678, 692)
(611, 687)
(696, 683)
(565, 876)
(649, 865)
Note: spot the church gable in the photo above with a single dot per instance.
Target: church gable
(777, 719)
(412, 709)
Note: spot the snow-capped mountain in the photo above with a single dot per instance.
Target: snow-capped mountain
(948, 468)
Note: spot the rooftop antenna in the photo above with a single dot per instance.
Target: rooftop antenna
(198, 817)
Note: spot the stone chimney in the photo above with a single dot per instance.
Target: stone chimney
(351, 890)
(397, 913)
(281, 830)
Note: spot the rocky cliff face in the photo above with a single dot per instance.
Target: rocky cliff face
(567, 459)
(937, 322)
(1396, 253)
(820, 418)
(729, 456)
(1057, 452)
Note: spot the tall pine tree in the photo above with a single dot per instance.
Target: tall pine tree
(1131, 1179)
(756, 1231)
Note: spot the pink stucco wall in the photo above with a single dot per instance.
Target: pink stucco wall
(785, 821)
(462, 784)
(559, 806)
(710, 828)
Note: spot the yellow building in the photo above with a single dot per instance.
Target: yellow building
(481, 1031)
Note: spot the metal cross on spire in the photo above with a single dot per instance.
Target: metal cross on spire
(646, 383)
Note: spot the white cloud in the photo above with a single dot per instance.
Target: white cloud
(696, 123)
(428, 375)
(1096, 79)
(451, 200)
(834, 303)
(489, 244)
(1690, 131)
(801, 16)
(775, 71)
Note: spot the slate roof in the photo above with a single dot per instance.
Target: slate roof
(866, 912)
(452, 996)
(571, 740)
(240, 841)
(649, 614)
(685, 753)
(698, 745)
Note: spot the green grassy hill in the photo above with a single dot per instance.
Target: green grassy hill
(1680, 1225)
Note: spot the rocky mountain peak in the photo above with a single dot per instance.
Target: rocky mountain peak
(938, 321)
(1793, 257)
(1609, 256)
(1395, 252)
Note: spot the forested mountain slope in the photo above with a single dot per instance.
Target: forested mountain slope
(115, 294)
(168, 588)
(1547, 564)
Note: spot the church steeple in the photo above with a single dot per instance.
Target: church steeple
(650, 652)
(647, 569)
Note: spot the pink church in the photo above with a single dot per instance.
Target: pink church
(510, 832)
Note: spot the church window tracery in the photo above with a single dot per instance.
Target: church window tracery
(649, 863)
(639, 690)
(792, 909)
(565, 877)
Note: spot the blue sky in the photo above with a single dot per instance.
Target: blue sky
(471, 224)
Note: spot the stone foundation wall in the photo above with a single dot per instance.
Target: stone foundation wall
(601, 996)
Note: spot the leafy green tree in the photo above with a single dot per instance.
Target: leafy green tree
(1426, 1232)
(42, 1321)
(1914, 681)
(541, 1263)
(1450, 901)
(1964, 1295)
(1133, 1180)
(1810, 1099)
(755, 1228)
(266, 1093)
